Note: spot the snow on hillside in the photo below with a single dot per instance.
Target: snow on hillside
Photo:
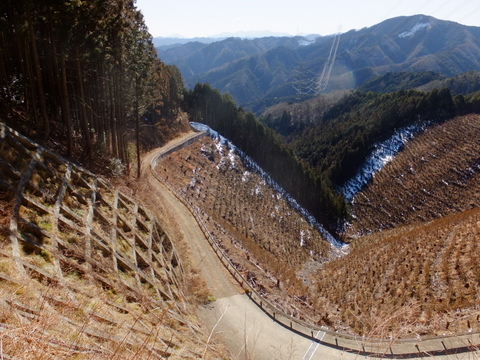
(381, 155)
(254, 167)
(414, 30)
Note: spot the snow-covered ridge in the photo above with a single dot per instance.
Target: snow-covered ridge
(254, 167)
(381, 155)
(414, 30)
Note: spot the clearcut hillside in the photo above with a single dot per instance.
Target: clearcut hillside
(417, 272)
(419, 277)
(437, 174)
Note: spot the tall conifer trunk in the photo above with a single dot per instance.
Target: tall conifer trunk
(38, 77)
(65, 106)
(82, 106)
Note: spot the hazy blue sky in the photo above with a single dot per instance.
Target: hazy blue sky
(193, 18)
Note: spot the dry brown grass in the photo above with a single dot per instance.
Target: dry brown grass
(421, 276)
(426, 273)
(269, 243)
(85, 271)
(437, 174)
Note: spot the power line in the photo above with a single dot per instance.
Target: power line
(327, 68)
(459, 7)
(306, 82)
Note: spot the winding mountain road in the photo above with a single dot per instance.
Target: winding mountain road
(245, 329)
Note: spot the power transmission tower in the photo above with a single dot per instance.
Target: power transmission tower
(306, 82)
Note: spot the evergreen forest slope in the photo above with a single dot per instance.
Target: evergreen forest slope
(84, 77)
(258, 72)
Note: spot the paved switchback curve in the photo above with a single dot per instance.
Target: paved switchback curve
(250, 326)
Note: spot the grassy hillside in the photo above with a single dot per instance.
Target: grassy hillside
(269, 243)
(86, 271)
(414, 280)
(422, 275)
(437, 174)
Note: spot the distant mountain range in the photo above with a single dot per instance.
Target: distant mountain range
(165, 43)
(258, 72)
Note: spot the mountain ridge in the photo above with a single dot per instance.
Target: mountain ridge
(408, 43)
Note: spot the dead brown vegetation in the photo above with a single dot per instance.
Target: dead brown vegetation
(420, 277)
(269, 243)
(85, 270)
(437, 174)
(429, 269)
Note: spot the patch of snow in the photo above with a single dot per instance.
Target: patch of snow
(381, 155)
(414, 30)
(302, 238)
(228, 160)
(218, 145)
(305, 42)
(231, 156)
(254, 167)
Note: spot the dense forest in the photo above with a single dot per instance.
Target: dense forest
(265, 146)
(335, 144)
(84, 74)
(465, 83)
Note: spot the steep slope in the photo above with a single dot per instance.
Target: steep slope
(437, 174)
(413, 280)
(421, 276)
(270, 244)
(86, 271)
(256, 334)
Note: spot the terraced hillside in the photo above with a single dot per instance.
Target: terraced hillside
(437, 174)
(85, 271)
(271, 245)
(419, 278)
(422, 276)
(414, 280)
